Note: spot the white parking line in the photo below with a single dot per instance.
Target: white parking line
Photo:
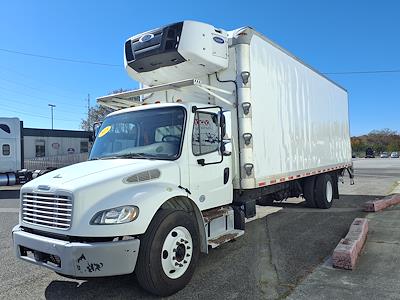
(396, 190)
(8, 210)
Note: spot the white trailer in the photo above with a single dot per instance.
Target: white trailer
(10, 151)
(225, 120)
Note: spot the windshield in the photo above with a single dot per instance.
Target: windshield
(152, 133)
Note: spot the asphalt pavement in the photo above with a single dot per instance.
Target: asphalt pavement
(277, 253)
(377, 274)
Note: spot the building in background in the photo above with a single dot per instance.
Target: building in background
(47, 142)
(38, 149)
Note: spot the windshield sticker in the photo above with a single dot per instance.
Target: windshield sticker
(104, 131)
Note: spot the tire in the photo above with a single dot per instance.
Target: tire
(170, 233)
(308, 191)
(265, 201)
(323, 194)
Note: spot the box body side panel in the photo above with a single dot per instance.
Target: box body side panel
(300, 119)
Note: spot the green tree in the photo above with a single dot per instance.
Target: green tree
(357, 144)
(379, 140)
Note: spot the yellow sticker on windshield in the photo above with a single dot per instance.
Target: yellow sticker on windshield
(104, 131)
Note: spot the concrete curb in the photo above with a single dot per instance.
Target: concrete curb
(377, 205)
(347, 251)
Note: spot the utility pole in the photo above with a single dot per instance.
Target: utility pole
(88, 112)
(52, 119)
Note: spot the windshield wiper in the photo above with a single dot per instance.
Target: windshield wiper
(136, 155)
(127, 155)
(104, 157)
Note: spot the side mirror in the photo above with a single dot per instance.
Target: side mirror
(226, 133)
(96, 128)
(225, 124)
(222, 123)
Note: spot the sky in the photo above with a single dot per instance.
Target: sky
(332, 36)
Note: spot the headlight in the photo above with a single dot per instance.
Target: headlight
(117, 215)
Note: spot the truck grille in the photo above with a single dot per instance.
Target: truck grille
(47, 210)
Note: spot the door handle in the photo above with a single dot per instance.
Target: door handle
(226, 175)
(201, 161)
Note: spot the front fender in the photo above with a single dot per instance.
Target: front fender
(149, 201)
(148, 197)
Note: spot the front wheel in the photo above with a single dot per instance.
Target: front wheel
(168, 252)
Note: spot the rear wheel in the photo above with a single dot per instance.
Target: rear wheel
(323, 194)
(168, 253)
(265, 201)
(308, 191)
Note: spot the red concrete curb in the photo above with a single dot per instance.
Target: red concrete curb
(379, 204)
(347, 251)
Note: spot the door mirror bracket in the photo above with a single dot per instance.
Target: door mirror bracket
(226, 148)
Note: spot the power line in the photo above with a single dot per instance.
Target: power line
(116, 65)
(33, 88)
(2, 88)
(35, 115)
(362, 72)
(60, 58)
(41, 82)
(11, 101)
(30, 105)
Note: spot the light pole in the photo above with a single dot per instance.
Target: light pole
(52, 107)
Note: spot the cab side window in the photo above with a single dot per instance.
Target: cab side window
(205, 137)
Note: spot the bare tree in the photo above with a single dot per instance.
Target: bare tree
(97, 113)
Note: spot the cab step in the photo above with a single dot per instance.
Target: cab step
(215, 242)
(220, 226)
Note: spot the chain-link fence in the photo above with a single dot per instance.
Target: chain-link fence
(59, 161)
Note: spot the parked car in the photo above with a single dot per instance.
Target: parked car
(394, 155)
(384, 155)
(369, 153)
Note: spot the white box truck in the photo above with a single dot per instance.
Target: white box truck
(225, 121)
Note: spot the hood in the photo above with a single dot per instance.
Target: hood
(89, 172)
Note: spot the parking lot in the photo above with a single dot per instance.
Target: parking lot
(275, 254)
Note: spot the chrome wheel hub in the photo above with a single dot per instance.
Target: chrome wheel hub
(176, 252)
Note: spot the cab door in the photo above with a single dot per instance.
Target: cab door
(210, 170)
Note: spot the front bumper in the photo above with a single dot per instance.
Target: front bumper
(77, 259)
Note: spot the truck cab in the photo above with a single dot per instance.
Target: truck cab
(157, 165)
(186, 138)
